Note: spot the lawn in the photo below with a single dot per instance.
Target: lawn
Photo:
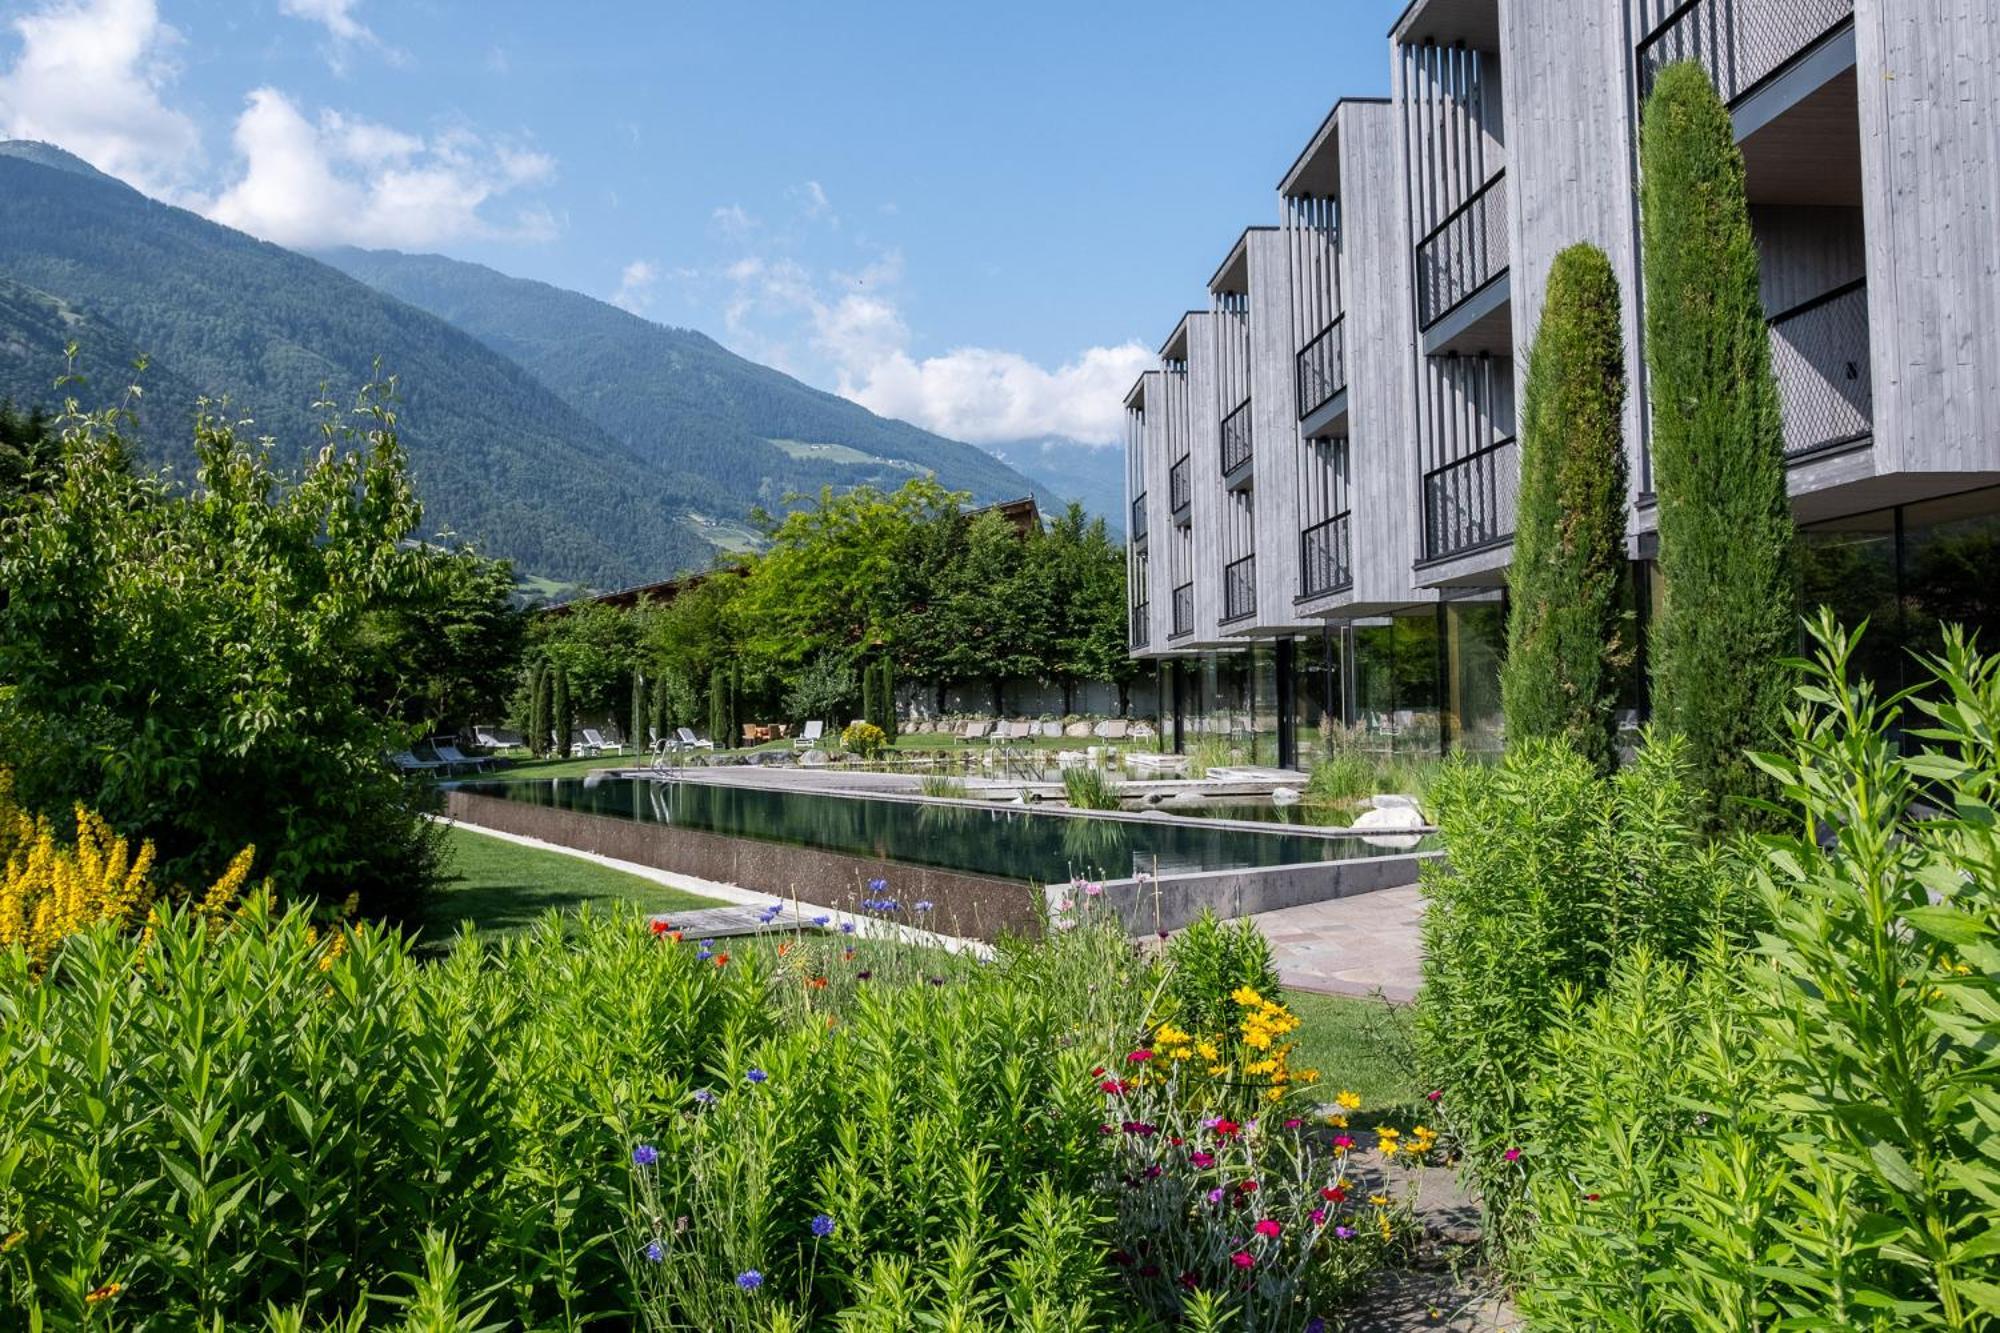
(502, 886)
(1360, 1046)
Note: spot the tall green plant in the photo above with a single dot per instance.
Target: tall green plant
(886, 693)
(562, 710)
(541, 708)
(722, 719)
(641, 715)
(871, 708)
(1727, 619)
(1566, 641)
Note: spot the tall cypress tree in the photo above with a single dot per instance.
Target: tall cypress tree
(563, 716)
(870, 708)
(1728, 616)
(1566, 645)
(886, 692)
(636, 737)
(540, 717)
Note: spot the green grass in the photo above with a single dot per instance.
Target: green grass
(1361, 1046)
(501, 886)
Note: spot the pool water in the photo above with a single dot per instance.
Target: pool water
(1001, 842)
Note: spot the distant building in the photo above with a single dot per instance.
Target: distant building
(1322, 470)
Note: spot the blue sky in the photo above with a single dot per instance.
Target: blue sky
(978, 217)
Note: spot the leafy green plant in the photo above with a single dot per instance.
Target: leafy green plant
(864, 739)
(1088, 787)
(1208, 751)
(1726, 623)
(1566, 641)
(1208, 961)
(944, 786)
(1345, 776)
(541, 711)
(562, 710)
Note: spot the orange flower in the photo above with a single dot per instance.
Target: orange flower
(784, 948)
(103, 1293)
(818, 983)
(722, 960)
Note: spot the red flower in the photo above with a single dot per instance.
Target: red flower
(1243, 1259)
(1333, 1194)
(722, 960)
(1342, 1142)
(1247, 1187)
(1268, 1229)
(1111, 1087)
(1139, 1057)
(1097, 1072)
(1224, 1128)
(662, 927)
(1202, 1159)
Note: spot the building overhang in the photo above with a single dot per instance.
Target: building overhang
(1474, 23)
(1233, 276)
(1135, 397)
(1175, 348)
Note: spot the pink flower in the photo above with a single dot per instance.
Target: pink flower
(1512, 1155)
(1342, 1142)
(1319, 1217)
(1215, 1196)
(1202, 1159)
(1139, 1057)
(1268, 1229)
(1243, 1259)
(1293, 1124)
(1434, 1095)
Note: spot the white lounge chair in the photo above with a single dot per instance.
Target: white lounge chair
(810, 736)
(407, 762)
(493, 738)
(594, 743)
(452, 757)
(689, 741)
(976, 730)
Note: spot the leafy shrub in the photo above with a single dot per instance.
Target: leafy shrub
(189, 661)
(1346, 776)
(1208, 962)
(823, 689)
(864, 739)
(944, 786)
(1088, 787)
(1208, 751)
(1552, 873)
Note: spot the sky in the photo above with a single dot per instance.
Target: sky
(980, 218)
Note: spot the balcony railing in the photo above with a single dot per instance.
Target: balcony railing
(1463, 253)
(1469, 502)
(1142, 620)
(1322, 368)
(1325, 563)
(1741, 43)
(1183, 610)
(1139, 518)
(1179, 493)
(1239, 588)
(1236, 438)
(1819, 353)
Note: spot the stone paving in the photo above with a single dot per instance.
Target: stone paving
(1361, 945)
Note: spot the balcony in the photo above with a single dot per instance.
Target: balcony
(1141, 624)
(1139, 518)
(1464, 253)
(1239, 589)
(1183, 610)
(1179, 493)
(1322, 368)
(1469, 502)
(1325, 561)
(1819, 354)
(1742, 44)
(1236, 441)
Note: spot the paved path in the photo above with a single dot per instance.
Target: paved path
(1350, 946)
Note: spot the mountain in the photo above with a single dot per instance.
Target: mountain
(1093, 475)
(677, 398)
(497, 456)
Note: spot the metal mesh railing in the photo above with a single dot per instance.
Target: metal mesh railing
(1239, 588)
(1139, 518)
(1142, 631)
(1819, 354)
(1236, 438)
(1463, 253)
(1184, 610)
(1322, 367)
(1469, 502)
(1179, 492)
(1324, 559)
(1741, 43)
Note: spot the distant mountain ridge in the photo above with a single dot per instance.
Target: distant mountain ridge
(581, 441)
(677, 398)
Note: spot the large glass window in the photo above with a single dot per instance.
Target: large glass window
(1951, 569)
(1475, 630)
(1396, 682)
(1850, 566)
(1262, 741)
(1316, 691)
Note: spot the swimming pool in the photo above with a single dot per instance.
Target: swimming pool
(1009, 843)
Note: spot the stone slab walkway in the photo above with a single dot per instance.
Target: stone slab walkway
(1360, 945)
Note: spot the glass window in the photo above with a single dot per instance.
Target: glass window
(1396, 681)
(1850, 565)
(1951, 570)
(1316, 690)
(1475, 642)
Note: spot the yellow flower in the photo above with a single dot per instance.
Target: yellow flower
(12, 1239)
(103, 1293)
(1208, 1051)
(1348, 1101)
(1379, 1200)
(1246, 997)
(1337, 1121)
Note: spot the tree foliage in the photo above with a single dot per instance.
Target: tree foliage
(1566, 642)
(1728, 619)
(190, 663)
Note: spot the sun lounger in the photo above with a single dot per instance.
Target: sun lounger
(594, 743)
(809, 738)
(407, 762)
(452, 757)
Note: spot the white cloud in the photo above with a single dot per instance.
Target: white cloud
(343, 29)
(817, 205)
(856, 331)
(89, 77)
(339, 180)
(732, 220)
(635, 286)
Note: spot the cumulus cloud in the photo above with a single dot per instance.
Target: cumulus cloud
(339, 180)
(635, 286)
(90, 76)
(855, 329)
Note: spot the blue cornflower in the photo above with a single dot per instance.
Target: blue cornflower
(756, 1076)
(645, 1155)
(750, 1279)
(821, 920)
(703, 956)
(878, 885)
(822, 1226)
(705, 1096)
(922, 905)
(708, 944)
(656, 1252)
(847, 927)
